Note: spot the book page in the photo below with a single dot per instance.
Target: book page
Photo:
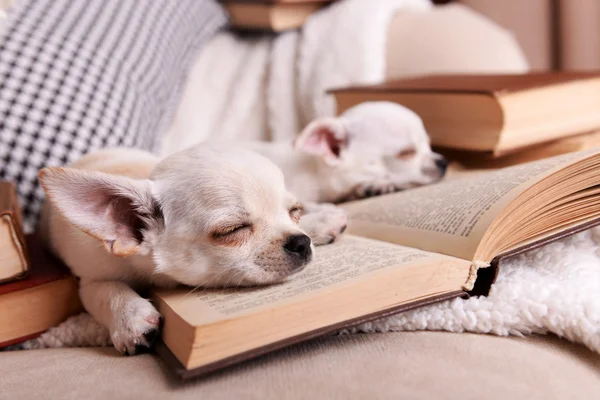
(450, 217)
(351, 259)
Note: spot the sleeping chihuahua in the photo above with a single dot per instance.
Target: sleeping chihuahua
(208, 216)
(371, 149)
(217, 215)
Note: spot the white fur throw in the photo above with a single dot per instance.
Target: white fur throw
(554, 289)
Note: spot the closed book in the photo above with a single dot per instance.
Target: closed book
(467, 162)
(402, 250)
(274, 15)
(14, 262)
(498, 114)
(47, 296)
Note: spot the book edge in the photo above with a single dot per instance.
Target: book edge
(380, 89)
(177, 368)
(388, 86)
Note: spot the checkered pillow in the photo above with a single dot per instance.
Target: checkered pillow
(81, 75)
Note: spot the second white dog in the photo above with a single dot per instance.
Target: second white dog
(371, 149)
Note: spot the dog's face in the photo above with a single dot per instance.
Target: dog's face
(375, 147)
(208, 216)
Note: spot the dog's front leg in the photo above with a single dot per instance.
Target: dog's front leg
(323, 222)
(132, 321)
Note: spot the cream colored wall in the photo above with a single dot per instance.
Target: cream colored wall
(450, 39)
(563, 34)
(580, 34)
(530, 21)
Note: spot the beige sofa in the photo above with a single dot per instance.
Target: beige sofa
(421, 365)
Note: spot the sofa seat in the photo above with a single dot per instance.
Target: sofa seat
(410, 365)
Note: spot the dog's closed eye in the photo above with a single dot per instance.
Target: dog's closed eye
(231, 234)
(296, 213)
(406, 154)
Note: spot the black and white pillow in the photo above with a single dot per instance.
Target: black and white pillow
(81, 75)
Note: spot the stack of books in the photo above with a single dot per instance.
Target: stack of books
(37, 292)
(492, 121)
(271, 15)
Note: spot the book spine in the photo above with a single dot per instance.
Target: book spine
(10, 212)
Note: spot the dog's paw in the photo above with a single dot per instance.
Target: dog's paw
(137, 328)
(374, 189)
(324, 223)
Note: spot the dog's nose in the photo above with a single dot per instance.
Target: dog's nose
(298, 246)
(442, 164)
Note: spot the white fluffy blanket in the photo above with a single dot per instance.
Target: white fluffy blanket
(269, 87)
(554, 289)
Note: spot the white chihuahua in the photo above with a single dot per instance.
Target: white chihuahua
(217, 215)
(371, 149)
(207, 216)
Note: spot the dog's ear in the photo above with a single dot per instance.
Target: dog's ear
(117, 210)
(326, 137)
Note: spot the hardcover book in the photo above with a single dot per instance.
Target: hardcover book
(469, 161)
(42, 300)
(497, 114)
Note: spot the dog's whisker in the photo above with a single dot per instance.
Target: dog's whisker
(240, 281)
(206, 285)
(191, 291)
(238, 272)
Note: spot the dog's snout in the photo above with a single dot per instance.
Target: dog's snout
(442, 164)
(298, 246)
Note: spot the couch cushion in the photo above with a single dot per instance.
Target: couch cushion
(422, 365)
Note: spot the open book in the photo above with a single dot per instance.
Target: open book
(403, 250)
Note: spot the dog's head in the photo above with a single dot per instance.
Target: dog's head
(208, 216)
(373, 142)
